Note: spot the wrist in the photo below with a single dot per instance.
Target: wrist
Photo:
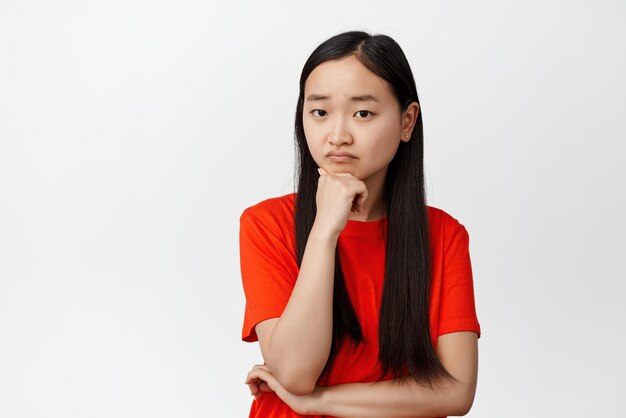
(318, 401)
(320, 233)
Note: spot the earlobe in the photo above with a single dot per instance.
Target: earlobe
(410, 117)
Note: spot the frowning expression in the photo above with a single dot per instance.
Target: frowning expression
(352, 120)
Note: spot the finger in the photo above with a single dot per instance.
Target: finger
(261, 366)
(264, 387)
(360, 199)
(322, 171)
(255, 385)
(265, 376)
(256, 366)
(251, 377)
(355, 207)
(255, 392)
(254, 388)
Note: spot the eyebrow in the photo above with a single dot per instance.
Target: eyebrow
(361, 98)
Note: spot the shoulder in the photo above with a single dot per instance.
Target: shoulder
(271, 208)
(444, 225)
(274, 215)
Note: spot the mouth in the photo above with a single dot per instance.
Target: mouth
(340, 156)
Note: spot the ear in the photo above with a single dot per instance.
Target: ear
(409, 117)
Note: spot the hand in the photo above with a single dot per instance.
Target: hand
(260, 379)
(338, 195)
(257, 385)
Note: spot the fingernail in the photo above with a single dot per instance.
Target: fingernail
(319, 171)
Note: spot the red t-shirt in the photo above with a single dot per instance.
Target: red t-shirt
(269, 271)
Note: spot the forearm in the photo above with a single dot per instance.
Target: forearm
(301, 339)
(389, 399)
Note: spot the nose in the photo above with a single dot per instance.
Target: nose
(339, 134)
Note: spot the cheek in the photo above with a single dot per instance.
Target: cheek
(312, 138)
(385, 138)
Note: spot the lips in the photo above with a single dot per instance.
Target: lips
(340, 154)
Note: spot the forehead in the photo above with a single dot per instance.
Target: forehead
(344, 78)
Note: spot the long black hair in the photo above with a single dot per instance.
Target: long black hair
(405, 345)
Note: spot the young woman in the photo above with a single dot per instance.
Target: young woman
(360, 295)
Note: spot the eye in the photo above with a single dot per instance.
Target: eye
(321, 113)
(362, 112)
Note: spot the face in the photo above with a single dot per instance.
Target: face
(350, 110)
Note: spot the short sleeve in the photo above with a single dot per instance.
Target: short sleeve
(458, 310)
(268, 271)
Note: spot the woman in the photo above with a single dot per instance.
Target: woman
(360, 295)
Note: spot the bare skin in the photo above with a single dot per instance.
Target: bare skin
(349, 110)
(458, 352)
(299, 361)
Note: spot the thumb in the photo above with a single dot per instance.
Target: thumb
(360, 199)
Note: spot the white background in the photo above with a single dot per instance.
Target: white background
(134, 133)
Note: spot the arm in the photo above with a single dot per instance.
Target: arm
(458, 353)
(296, 345)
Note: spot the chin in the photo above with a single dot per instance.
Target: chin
(343, 170)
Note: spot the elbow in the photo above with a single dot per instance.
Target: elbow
(295, 380)
(299, 388)
(463, 404)
(460, 411)
(296, 375)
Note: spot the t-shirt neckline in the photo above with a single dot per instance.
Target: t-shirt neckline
(365, 229)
